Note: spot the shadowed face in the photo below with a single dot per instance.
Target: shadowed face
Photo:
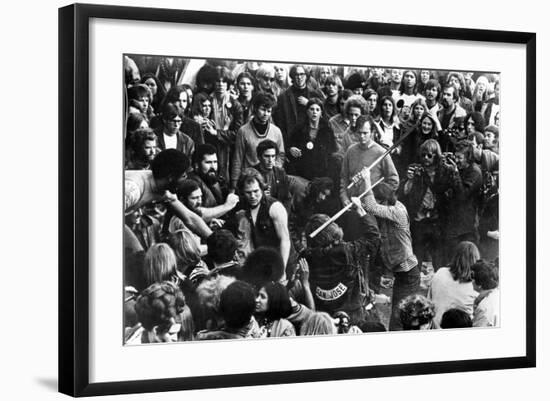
(365, 135)
(253, 193)
(268, 158)
(152, 84)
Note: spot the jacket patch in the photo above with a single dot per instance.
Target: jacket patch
(331, 295)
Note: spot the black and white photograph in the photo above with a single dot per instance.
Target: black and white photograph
(267, 199)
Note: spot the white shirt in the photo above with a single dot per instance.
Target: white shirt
(170, 142)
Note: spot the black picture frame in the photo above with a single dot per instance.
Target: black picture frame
(74, 193)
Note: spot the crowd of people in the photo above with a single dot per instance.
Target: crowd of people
(234, 169)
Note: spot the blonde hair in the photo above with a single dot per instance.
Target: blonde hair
(210, 290)
(318, 323)
(185, 247)
(159, 264)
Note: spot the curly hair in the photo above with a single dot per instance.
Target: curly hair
(158, 304)
(413, 308)
(210, 290)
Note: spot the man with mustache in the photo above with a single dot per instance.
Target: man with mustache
(449, 116)
(205, 173)
(158, 185)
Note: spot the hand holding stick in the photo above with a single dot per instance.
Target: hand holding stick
(343, 210)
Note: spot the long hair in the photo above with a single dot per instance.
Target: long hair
(198, 100)
(185, 248)
(159, 264)
(278, 301)
(433, 132)
(431, 146)
(318, 323)
(466, 254)
(402, 84)
(393, 116)
(482, 80)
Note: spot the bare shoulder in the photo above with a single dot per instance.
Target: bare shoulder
(277, 211)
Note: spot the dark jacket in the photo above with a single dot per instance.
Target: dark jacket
(288, 113)
(280, 188)
(463, 206)
(212, 195)
(185, 144)
(317, 161)
(338, 273)
(442, 185)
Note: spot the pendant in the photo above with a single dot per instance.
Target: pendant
(309, 145)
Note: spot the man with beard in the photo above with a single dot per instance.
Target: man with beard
(142, 187)
(275, 177)
(291, 104)
(142, 149)
(205, 173)
(432, 92)
(263, 221)
(252, 133)
(190, 194)
(227, 118)
(426, 194)
(449, 117)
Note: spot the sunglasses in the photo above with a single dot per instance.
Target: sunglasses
(428, 155)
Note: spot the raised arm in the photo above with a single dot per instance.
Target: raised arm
(209, 213)
(190, 219)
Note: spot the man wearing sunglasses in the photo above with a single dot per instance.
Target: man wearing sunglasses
(169, 135)
(426, 194)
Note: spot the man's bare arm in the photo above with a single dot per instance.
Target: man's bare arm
(278, 214)
(190, 219)
(209, 213)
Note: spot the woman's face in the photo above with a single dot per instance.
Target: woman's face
(189, 96)
(418, 111)
(245, 87)
(371, 101)
(353, 115)
(262, 301)
(470, 126)
(151, 83)
(424, 76)
(387, 108)
(427, 125)
(314, 112)
(182, 100)
(280, 73)
(206, 108)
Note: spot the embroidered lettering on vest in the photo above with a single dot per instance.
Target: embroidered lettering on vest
(332, 294)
